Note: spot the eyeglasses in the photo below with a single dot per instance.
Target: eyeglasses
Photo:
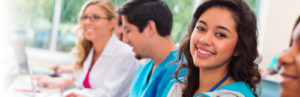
(93, 18)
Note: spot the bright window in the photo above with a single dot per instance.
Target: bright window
(182, 14)
(254, 5)
(68, 20)
(32, 21)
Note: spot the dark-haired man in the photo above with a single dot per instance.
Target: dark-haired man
(147, 27)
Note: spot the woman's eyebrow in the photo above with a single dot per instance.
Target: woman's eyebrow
(203, 22)
(224, 28)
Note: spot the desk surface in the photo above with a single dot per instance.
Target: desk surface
(268, 88)
(21, 87)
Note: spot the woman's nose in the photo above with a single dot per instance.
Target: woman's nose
(206, 39)
(286, 58)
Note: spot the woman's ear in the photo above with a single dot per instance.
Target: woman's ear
(112, 23)
(236, 53)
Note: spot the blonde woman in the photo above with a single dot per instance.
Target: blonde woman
(105, 66)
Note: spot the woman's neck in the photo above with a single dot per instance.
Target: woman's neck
(99, 46)
(100, 43)
(208, 78)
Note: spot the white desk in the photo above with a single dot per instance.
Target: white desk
(21, 86)
(268, 88)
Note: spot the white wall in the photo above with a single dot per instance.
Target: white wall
(276, 20)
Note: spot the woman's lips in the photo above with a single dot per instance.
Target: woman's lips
(287, 77)
(90, 30)
(203, 53)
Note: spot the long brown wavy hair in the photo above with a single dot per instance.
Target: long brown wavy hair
(83, 46)
(243, 67)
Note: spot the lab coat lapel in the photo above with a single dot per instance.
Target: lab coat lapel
(86, 65)
(104, 57)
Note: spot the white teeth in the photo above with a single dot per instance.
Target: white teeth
(90, 30)
(204, 52)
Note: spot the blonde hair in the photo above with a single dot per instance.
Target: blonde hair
(83, 46)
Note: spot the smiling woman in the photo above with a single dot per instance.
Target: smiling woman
(290, 62)
(220, 49)
(211, 29)
(104, 66)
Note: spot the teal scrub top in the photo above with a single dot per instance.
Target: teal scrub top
(236, 89)
(158, 80)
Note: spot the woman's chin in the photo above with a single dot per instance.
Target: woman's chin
(289, 91)
(90, 38)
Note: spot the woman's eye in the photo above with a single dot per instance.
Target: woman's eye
(127, 31)
(221, 35)
(96, 17)
(200, 28)
(84, 17)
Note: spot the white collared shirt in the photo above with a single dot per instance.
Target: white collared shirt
(112, 73)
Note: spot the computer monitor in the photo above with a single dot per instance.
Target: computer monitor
(21, 57)
(23, 63)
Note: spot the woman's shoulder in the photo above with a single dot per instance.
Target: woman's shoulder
(221, 93)
(175, 89)
(122, 50)
(237, 88)
(118, 47)
(121, 46)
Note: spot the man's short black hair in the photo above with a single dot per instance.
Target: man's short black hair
(139, 12)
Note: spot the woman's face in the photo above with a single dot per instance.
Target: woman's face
(95, 23)
(290, 62)
(214, 38)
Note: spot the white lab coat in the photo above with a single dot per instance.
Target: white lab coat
(113, 72)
